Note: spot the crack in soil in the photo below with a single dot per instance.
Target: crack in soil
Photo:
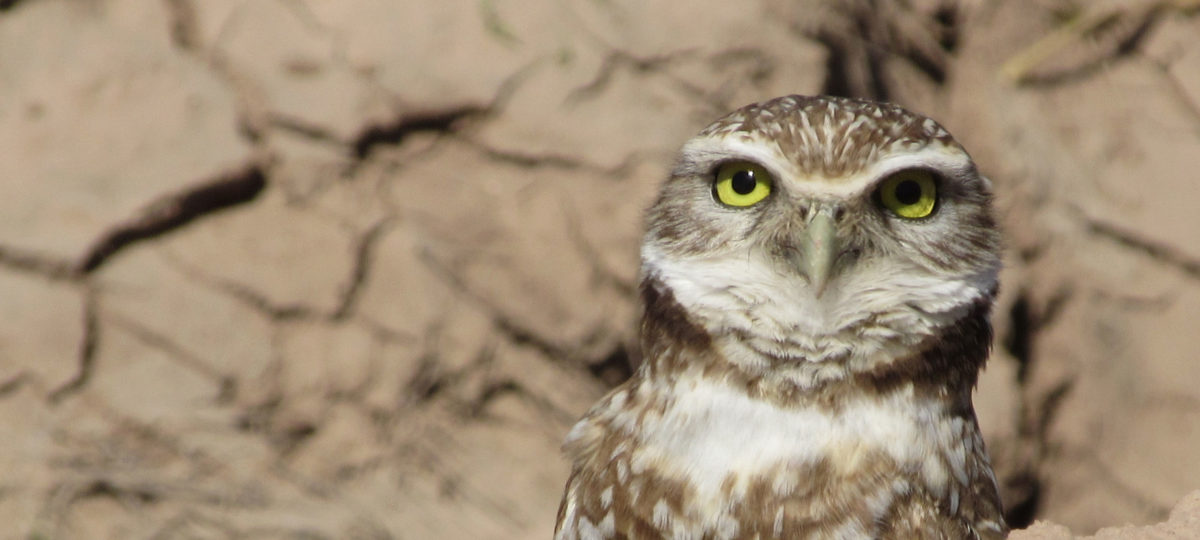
(46, 266)
(530, 160)
(173, 350)
(364, 253)
(87, 350)
(14, 383)
(181, 15)
(1179, 91)
(393, 132)
(516, 334)
(712, 102)
(610, 366)
(1026, 320)
(351, 291)
(246, 295)
(601, 273)
(477, 409)
(1158, 251)
(176, 210)
(299, 127)
(1102, 36)
(618, 59)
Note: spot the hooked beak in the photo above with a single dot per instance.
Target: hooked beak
(819, 249)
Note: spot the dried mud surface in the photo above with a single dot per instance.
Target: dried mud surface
(298, 269)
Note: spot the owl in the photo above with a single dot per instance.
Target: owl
(816, 285)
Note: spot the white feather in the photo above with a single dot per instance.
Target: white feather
(712, 432)
(747, 292)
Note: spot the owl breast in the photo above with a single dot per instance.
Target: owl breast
(730, 448)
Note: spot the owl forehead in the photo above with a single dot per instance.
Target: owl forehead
(833, 138)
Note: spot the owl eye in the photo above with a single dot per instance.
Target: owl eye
(908, 194)
(742, 184)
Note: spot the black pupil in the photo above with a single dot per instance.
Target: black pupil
(743, 182)
(908, 192)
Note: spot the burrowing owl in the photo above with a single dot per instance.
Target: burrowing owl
(817, 278)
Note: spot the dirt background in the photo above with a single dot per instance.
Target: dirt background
(317, 269)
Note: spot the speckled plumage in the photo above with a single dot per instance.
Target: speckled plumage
(768, 406)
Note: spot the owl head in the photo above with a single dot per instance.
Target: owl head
(823, 235)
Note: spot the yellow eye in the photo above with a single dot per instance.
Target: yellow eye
(742, 184)
(909, 194)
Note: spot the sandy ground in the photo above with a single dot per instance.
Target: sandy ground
(315, 269)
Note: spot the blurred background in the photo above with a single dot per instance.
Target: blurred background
(318, 269)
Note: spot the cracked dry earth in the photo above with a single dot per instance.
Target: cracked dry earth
(304, 269)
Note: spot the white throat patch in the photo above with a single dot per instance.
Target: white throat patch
(867, 313)
(713, 433)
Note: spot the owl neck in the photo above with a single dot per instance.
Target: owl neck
(945, 365)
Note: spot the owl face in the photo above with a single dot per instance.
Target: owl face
(823, 234)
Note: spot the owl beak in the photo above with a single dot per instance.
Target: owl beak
(818, 249)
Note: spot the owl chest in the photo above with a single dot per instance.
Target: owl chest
(716, 458)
